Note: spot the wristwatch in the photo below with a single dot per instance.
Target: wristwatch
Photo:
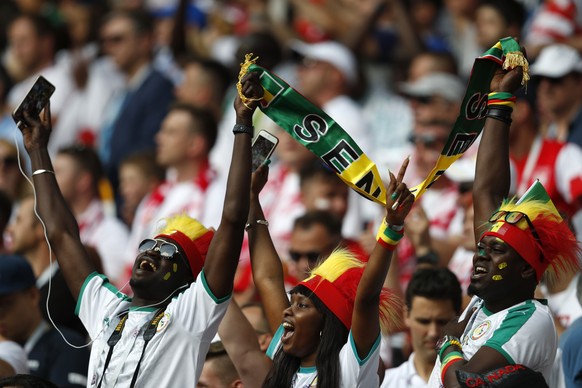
(444, 340)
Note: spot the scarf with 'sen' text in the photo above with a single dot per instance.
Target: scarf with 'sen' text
(313, 128)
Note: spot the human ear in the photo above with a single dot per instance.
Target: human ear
(527, 271)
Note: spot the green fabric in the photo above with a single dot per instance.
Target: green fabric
(314, 129)
(471, 119)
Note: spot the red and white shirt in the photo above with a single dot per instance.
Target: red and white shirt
(200, 198)
(558, 166)
(107, 234)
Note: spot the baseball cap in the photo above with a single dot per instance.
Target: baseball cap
(445, 85)
(463, 170)
(331, 52)
(556, 61)
(15, 274)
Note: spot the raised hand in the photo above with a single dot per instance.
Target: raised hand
(259, 179)
(36, 130)
(399, 199)
(507, 80)
(253, 91)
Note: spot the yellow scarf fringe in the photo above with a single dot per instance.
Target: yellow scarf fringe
(244, 68)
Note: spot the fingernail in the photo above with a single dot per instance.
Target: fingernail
(409, 157)
(394, 196)
(267, 162)
(395, 206)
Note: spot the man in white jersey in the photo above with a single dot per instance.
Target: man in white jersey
(158, 338)
(518, 242)
(433, 298)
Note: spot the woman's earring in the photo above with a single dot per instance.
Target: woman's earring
(320, 333)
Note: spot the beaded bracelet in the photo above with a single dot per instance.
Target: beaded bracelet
(501, 99)
(450, 343)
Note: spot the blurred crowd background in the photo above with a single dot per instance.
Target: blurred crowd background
(142, 118)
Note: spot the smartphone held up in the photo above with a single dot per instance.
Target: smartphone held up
(35, 100)
(263, 146)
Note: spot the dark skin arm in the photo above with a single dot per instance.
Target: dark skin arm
(492, 180)
(365, 319)
(224, 250)
(240, 341)
(492, 174)
(61, 226)
(266, 265)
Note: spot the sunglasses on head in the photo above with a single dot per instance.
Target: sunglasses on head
(311, 256)
(513, 218)
(167, 250)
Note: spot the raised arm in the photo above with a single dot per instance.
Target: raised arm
(492, 174)
(61, 226)
(266, 264)
(224, 250)
(240, 341)
(490, 188)
(365, 320)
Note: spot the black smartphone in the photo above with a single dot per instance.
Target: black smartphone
(263, 146)
(35, 100)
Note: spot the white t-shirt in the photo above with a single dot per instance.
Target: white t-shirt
(403, 376)
(348, 114)
(14, 355)
(107, 234)
(523, 333)
(355, 372)
(175, 355)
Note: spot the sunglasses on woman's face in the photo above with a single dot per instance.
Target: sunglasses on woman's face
(167, 250)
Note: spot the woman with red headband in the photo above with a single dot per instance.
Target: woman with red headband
(328, 334)
(518, 243)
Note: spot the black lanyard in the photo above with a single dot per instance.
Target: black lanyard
(148, 334)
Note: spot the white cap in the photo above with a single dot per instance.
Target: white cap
(556, 61)
(445, 85)
(334, 53)
(463, 170)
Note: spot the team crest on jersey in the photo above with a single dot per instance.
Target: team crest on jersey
(163, 323)
(480, 330)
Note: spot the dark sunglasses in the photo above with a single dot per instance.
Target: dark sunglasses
(167, 250)
(311, 256)
(513, 218)
(429, 141)
(423, 100)
(553, 80)
(113, 39)
(9, 161)
(465, 187)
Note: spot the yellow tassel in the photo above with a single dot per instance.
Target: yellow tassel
(244, 68)
(515, 59)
